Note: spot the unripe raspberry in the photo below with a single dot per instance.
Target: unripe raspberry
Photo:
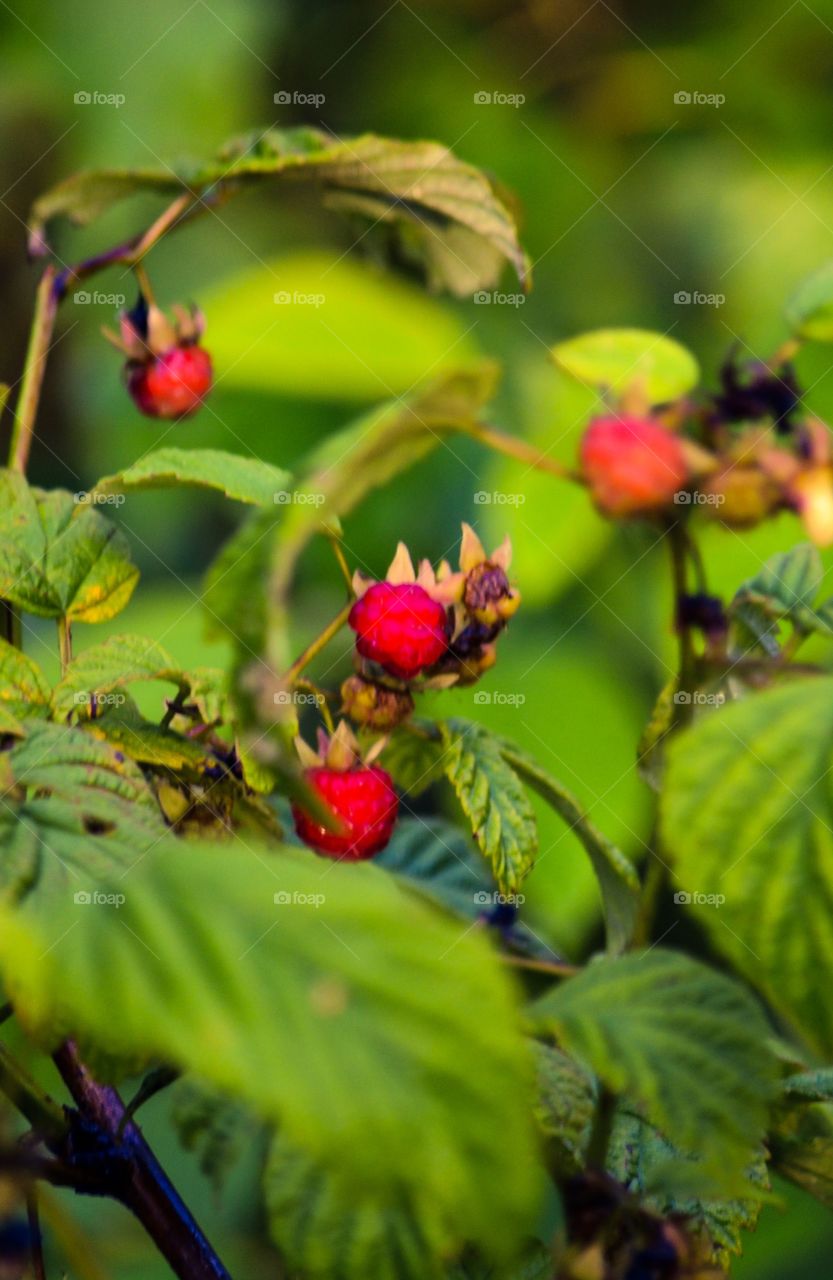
(172, 385)
(363, 798)
(374, 705)
(632, 465)
(401, 627)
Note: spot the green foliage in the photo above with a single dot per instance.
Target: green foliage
(73, 808)
(436, 856)
(681, 1040)
(666, 1181)
(104, 668)
(565, 1105)
(492, 798)
(747, 814)
(248, 480)
(449, 215)
(59, 557)
(216, 1128)
(614, 359)
(287, 990)
(809, 311)
(23, 687)
(784, 589)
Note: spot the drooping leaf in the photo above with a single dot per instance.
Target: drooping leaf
(683, 1041)
(666, 1181)
(615, 359)
(327, 1001)
(443, 206)
(492, 798)
(24, 690)
(248, 480)
(215, 1127)
(809, 311)
(618, 880)
(98, 672)
(747, 814)
(72, 808)
(59, 556)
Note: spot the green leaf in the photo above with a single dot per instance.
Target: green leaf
(679, 1039)
(319, 325)
(493, 800)
(246, 479)
(24, 690)
(615, 359)
(413, 758)
(617, 877)
(447, 209)
(59, 557)
(125, 728)
(666, 1180)
(437, 857)
(785, 588)
(233, 594)
(747, 814)
(566, 1102)
(812, 1086)
(809, 311)
(368, 453)
(801, 1145)
(98, 672)
(381, 1034)
(72, 809)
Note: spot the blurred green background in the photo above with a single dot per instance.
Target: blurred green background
(630, 194)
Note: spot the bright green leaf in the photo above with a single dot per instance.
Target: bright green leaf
(23, 687)
(98, 672)
(809, 311)
(615, 359)
(245, 478)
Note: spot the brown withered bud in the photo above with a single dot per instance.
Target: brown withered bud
(375, 706)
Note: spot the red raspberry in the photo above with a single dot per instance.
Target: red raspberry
(632, 465)
(401, 627)
(364, 799)
(171, 385)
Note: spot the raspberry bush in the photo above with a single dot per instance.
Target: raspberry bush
(297, 901)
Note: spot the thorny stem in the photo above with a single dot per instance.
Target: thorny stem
(143, 1187)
